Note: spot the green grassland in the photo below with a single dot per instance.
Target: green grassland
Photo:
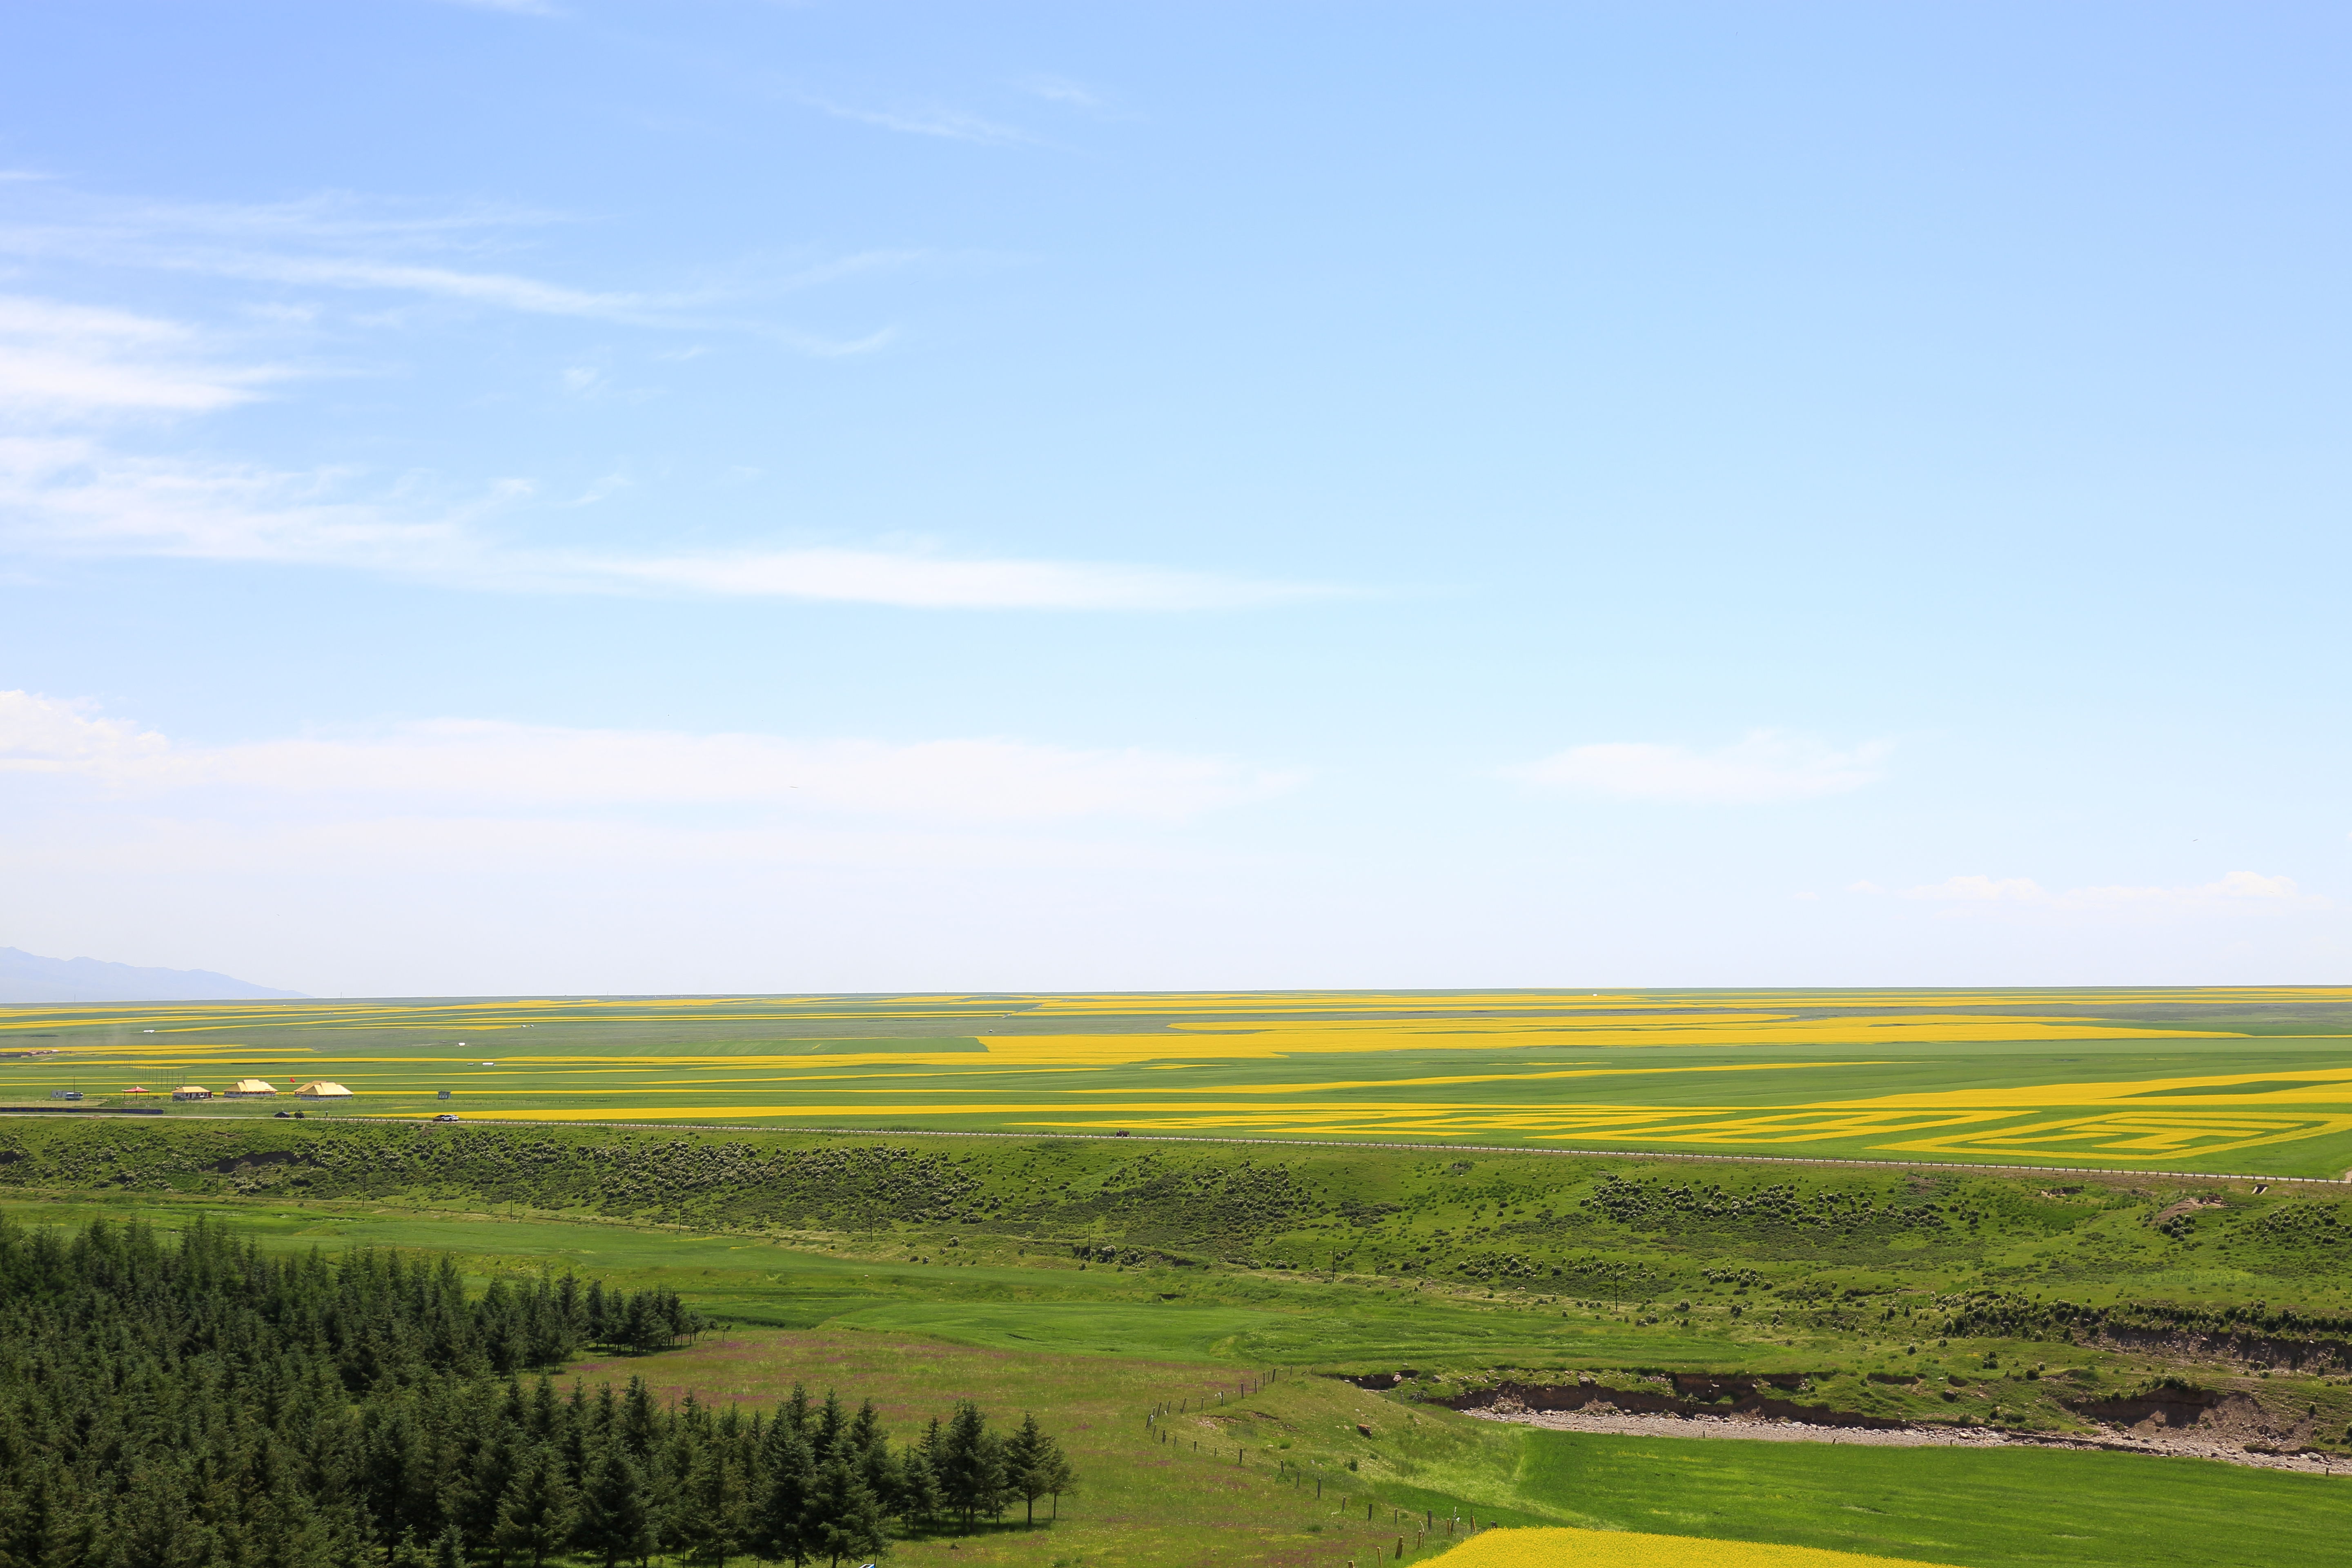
(1285, 1472)
(1875, 1293)
(2211, 1081)
(1247, 1471)
(2004, 1508)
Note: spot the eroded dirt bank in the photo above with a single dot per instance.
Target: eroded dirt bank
(1602, 1416)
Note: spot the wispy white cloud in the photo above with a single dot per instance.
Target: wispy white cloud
(935, 121)
(2240, 892)
(918, 580)
(477, 763)
(340, 242)
(60, 360)
(71, 496)
(1060, 90)
(40, 734)
(518, 7)
(66, 369)
(506, 290)
(1763, 767)
(405, 847)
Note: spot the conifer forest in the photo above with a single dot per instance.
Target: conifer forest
(195, 1403)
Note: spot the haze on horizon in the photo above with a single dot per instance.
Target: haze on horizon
(600, 497)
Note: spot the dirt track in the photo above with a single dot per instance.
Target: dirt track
(1781, 1431)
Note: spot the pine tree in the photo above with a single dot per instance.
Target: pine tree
(494, 1469)
(1057, 1475)
(715, 1512)
(878, 1469)
(544, 1412)
(830, 1425)
(918, 1500)
(970, 1465)
(1025, 1463)
(613, 1511)
(638, 1420)
(780, 1529)
(847, 1516)
(536, 1513)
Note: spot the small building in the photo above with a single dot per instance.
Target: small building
(192, 1091)
(323, 1090)
(252, 1088)
(65, 1094)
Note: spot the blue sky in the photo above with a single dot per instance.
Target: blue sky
(594, 496)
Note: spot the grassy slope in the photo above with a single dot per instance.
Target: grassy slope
(1093, 1350)
(1773, 1240)
(1533, 1266)
(1146, 1500)
(1142, 1500)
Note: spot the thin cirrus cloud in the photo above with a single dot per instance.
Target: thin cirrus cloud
(61, 361)
(65, 498)
(473, 763)
(930, 582)
(2238, 893)
(63, 494)
(695, 311)
(934, 121)
(1060, 90)
(1763, 767)
(445, 846)
(343, 243)
(69, 495)
(515, 7)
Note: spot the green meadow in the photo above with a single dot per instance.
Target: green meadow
(2222, 1082)
(1260, 1458)
(1884, 1290)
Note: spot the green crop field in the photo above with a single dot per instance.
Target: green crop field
(2003, 1507)
(2222, 1080)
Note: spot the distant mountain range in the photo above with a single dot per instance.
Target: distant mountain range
(28, 977)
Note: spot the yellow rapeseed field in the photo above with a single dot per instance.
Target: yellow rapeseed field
(2159, 1079)
(1623, 1549)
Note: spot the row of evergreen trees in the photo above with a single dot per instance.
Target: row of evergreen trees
(372, 1315)
(202, 1405)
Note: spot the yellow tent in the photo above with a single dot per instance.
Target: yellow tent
(253, 1086)
(323, 1090)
